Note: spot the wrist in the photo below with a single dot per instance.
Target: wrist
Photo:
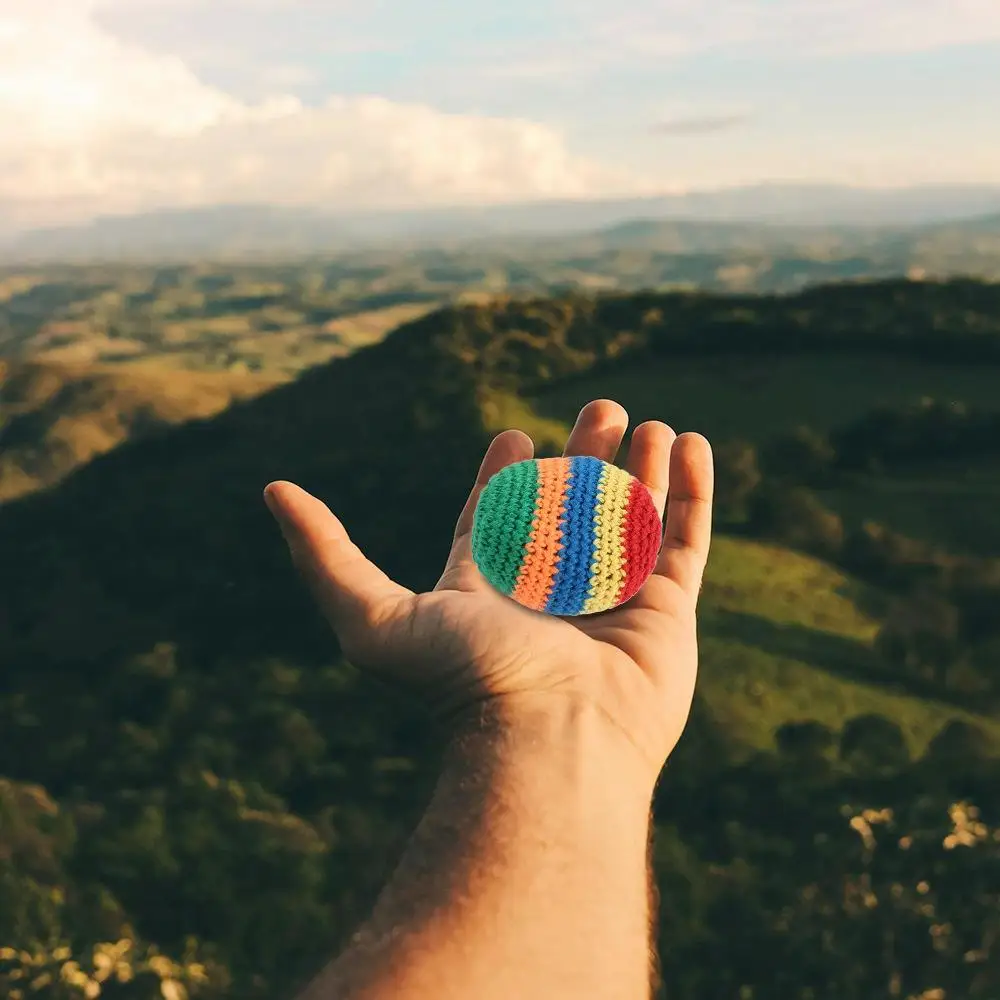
(554, 737)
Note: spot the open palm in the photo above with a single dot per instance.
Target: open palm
(464, 641)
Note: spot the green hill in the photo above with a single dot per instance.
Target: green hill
(785, 639)
(756, 398)
(57, 417)
(151, 542)
(213, 770)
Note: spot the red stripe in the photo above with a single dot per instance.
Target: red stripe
(642, 536)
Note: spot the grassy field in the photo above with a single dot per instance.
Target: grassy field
(56, 417)
(171, 691)
(788, 638)
(953, 505)
(785, 637)
(269, 340)
(756, 398)
(503, 410)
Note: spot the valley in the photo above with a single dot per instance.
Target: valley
(172, 703)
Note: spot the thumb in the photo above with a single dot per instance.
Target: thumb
(352, 592)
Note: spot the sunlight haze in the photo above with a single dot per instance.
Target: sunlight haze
(129, 105)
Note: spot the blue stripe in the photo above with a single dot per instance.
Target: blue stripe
(569, 588)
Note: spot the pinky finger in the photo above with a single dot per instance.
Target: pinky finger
(688, 532)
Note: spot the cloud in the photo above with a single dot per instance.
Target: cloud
(93, 120)
(594, 35)
(837, 26)
(91, 124)
(558, 41)
(707, 124)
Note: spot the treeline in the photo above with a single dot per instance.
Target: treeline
(941, 626)
(888, 439)
(952, 321)
(529, 342)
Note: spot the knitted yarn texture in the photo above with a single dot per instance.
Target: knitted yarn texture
(568, 536)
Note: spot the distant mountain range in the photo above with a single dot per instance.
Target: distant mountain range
(710, 220)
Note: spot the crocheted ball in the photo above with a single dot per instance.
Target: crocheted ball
(568, 536)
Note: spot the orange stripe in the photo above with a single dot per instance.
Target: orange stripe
(538, 569)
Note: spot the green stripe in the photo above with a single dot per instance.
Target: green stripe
(502, 526)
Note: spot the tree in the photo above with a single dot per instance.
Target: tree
(920, 635)
(958, 745)
(805, 455)
(806, 746)
(736, 478)
(797, 517)
(873, 744)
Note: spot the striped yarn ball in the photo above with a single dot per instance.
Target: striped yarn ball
(568, 536)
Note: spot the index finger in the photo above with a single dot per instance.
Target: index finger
(505, 449)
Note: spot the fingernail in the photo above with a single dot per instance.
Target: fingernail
(271, 503)
(278, 519)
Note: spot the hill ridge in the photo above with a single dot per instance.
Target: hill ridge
(182, 514)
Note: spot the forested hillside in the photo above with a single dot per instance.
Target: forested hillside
(190, 769)
(55, 417)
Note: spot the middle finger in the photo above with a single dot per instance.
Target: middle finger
(598, 431)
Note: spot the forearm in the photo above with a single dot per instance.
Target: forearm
(526, 878)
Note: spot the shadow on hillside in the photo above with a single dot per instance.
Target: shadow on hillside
(867, 599)
(168, 538)
(833, 653)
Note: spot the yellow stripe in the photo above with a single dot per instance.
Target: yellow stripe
(607, 571)
(623, 487)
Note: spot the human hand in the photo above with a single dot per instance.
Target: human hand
(464, 642)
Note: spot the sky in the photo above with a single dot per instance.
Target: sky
(110, 106)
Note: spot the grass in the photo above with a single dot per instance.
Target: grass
(56, 417)
(953, 506)
(785, 637)
(502, 411)
(365, 328)
(754, 399)
(234, 344)
(273, 339)
(788, 588)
